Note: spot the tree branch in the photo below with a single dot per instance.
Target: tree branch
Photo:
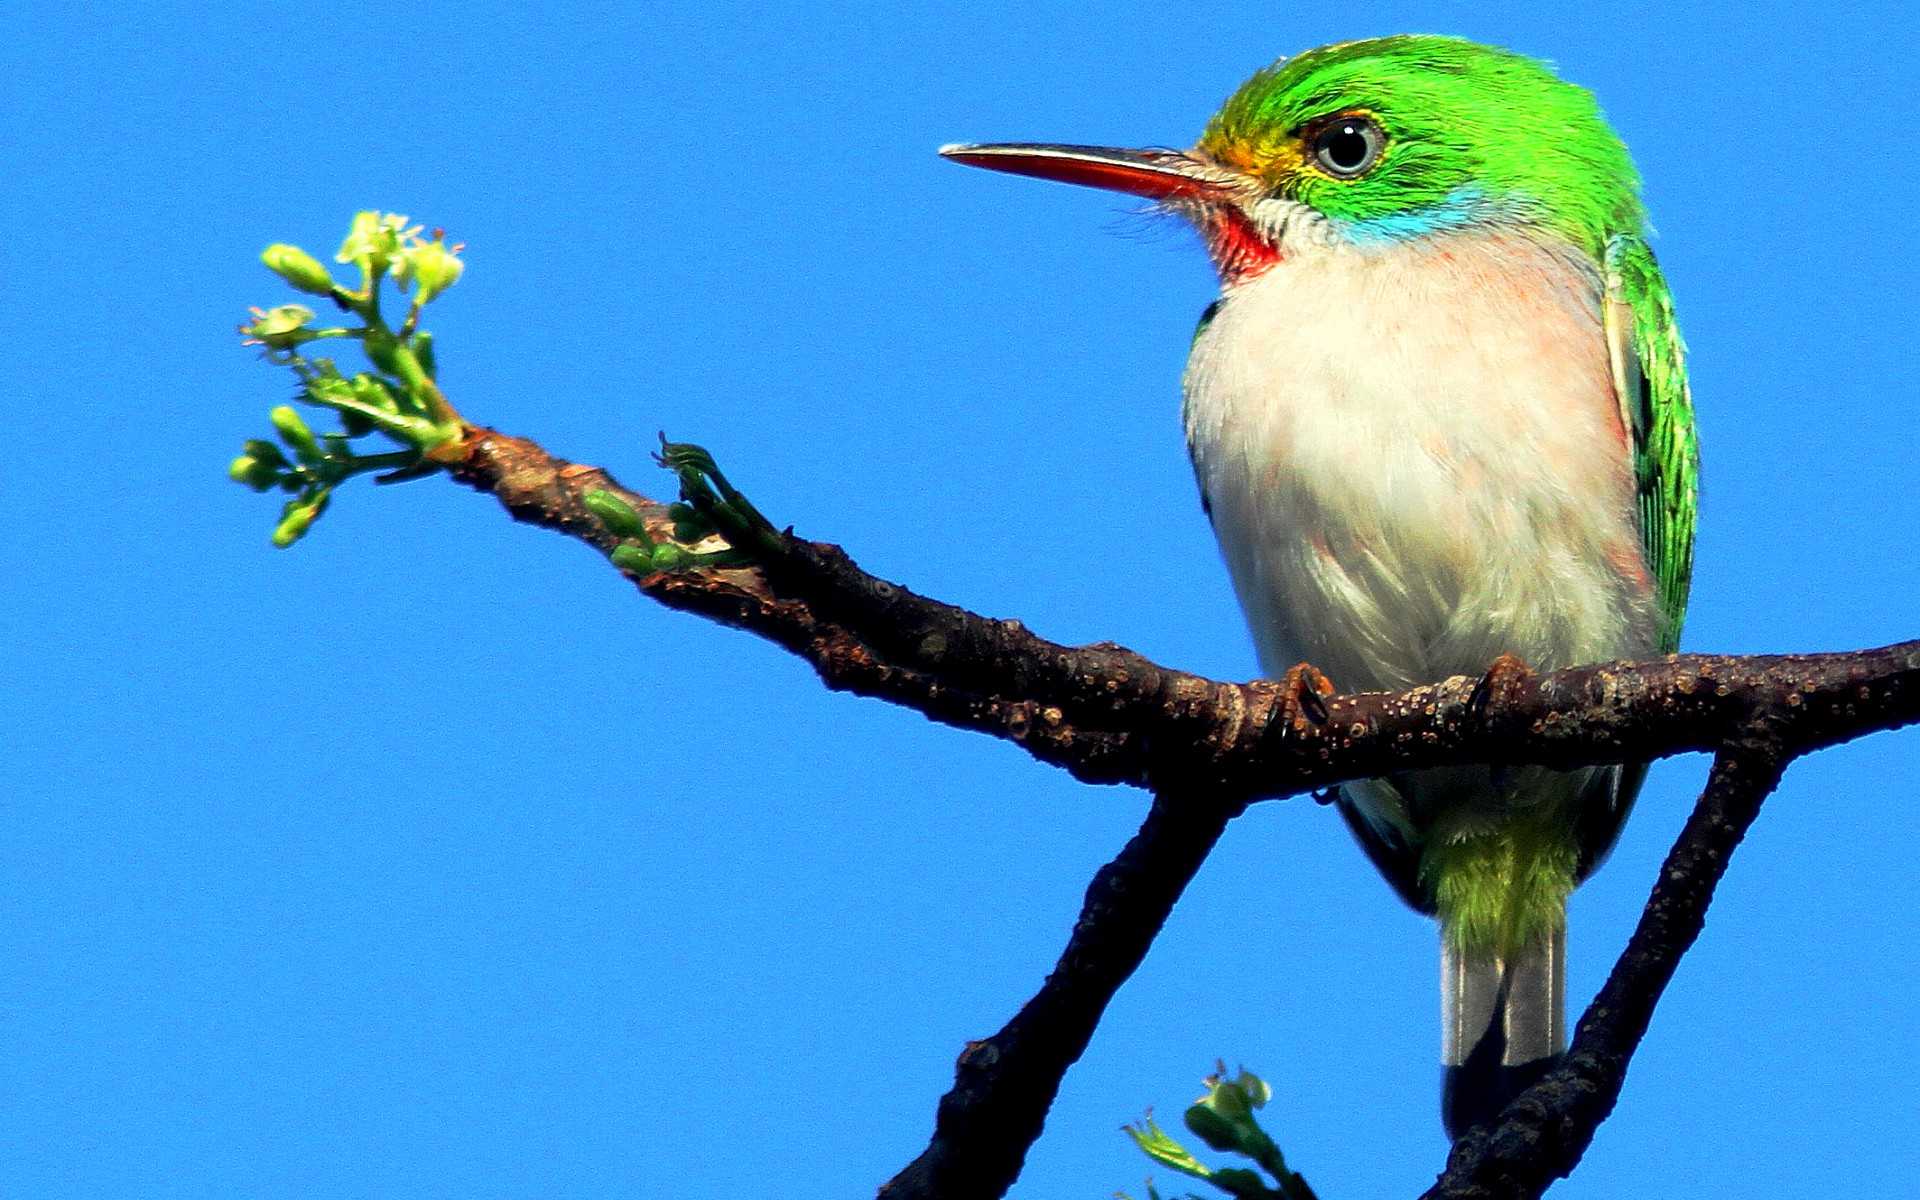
(1003, 1086)
(1109, 715)
(1208, 748)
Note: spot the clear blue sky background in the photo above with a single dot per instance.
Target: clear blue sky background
(427, 859)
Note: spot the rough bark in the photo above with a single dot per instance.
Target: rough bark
(1109, 715)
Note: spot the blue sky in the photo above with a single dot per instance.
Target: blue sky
(426, 859)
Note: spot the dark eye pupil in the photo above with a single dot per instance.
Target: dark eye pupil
(1345, 147)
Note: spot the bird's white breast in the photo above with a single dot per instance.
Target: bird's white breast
(1415, 461)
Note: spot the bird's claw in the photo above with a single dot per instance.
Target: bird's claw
(1303, 692)
(1504, 680)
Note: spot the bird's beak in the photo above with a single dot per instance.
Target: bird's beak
(1155, 174)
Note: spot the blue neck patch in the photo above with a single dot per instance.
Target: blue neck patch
(1463, 208)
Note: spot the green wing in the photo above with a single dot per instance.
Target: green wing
(1650, 379)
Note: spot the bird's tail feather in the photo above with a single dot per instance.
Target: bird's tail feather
(1503, 1024)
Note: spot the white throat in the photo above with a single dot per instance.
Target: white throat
(1414, 460)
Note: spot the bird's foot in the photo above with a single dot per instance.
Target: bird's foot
(1303, 692)
(1503, 682)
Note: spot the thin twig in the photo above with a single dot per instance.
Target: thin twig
(1543, 1133)
(1004, 1085)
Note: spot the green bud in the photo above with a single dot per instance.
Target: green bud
(629, 557)
(432, 266)
(690, 525)
(297, 517)
(1235, 1099)
(251, 471)
(616, 514)
(374, 239)
(669, 557)
(295, 433)
(1212, 1128)
(265, 451)
(1227, 1102)
(298, 268)
(280, 328)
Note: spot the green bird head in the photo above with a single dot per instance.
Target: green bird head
(1373, 143)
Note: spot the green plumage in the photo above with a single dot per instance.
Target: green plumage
(1410, 453)
(1460, 116)
(1464, 140)
(1467, 120)
(1477, 136)
(1666, 453)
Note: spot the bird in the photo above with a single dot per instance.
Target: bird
(1440, 421)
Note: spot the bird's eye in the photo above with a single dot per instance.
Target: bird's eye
(1347, 147)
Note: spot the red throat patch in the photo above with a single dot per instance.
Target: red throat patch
(1239, 250)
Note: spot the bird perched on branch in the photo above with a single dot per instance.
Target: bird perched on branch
(1440, 421)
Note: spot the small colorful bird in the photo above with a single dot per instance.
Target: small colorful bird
(1440, 421)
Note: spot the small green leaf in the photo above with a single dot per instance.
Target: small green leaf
(265, 451)
(616, 514)
(383, 351)
(1155, 1144)
(373, 392)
